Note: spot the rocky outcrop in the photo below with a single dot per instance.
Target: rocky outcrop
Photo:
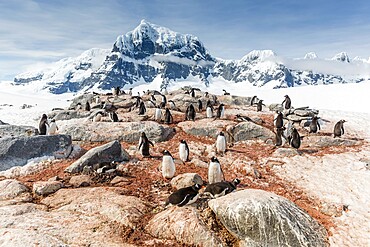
(183, 225)
(249, 131)
(329, 141)
(11, 188)
(107, 153)
(109, 131)
(15, 151)
(8, 130)
(204, 127)
(68, 114)
(186, 180)
(260, 218)
(43, 188)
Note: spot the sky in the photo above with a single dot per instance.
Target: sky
(35, 32)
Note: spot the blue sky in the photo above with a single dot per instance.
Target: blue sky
(33, 32)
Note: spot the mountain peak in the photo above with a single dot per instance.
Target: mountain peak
(342, 57)
(310, 55)
(259, 55)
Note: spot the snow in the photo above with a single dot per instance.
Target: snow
(335, 179)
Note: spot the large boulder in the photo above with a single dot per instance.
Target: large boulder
(43, 188)
(234, 100)
(109, 131)
(249, 131)
(8, 130)
(186, 180)
(183, 225)
(329, 141)
(68, 114)
(260, 218)
(15, 151)
(204, 127)
(11, 188)
(106, 153)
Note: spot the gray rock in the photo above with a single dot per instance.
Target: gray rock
(8, 130)
(204, 127)
(235, 100)
(11, 188)
(15, 151)
(82, 99)
(260, 218)
(276, 107)
(80, 181)
(296, 118)
(109, 131)
(43, 188)
(186, 180)
(106, 153)
(68, 114)
(2, 123)
(285, 152)
(248, 131)
(329, 141)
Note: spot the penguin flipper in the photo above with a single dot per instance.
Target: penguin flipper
(185, 200)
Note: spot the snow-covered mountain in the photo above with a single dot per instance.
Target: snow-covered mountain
(151, 52)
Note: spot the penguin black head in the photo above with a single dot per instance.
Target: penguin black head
(286, 96)
(183, 141)
(52, 121)
(222, 105)
(166, 152)
(196, 187)
(143, 134)
(343, 121)
(222, 133)
(44, 116)
(236, 181)
(214, 159)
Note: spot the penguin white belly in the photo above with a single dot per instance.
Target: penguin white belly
(97, 100)
(214, 173)
(222, 113)
(183, 152)
(52, 130)
(168, 167)
(209, 112)
(221, 194)
(158, 114)
(172, 106)
(140, 140)
(193, 200)
(221, 144)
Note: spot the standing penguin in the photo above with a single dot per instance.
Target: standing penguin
(168, 119)
(215, 173)
(172, 105)
(278, 136)
(200, 105)
(279, 120)
(184, 151)
(254, 100)
(184, 196)
(87, 106)
(53, 128)
(142, 108)
(209, 109)
(192, 92)
(288, 102)
(130, 91)
(168, 165)
(225, 93)
(43, 124)
(314, 125)
(221, 143)
(144, 145)
(260, 104)
(190, 113)
(220, 111)
(295, 142)
(97, 100)
(158, 114)
(221, 188)
(113, 116)
(338, 128)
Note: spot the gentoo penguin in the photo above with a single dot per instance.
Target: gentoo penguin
(295, 142)
(220, 111)
(288, 130)
(53, 128)
(192, 92)
(153, 98)
(205, 95)
(163, 100)
(184, 196)
(254, 100)
(138, 101)
(200, 105)
(172, 105)
(221, 143)
(288, 102)
(221, 188)
(78, 106)
(98, 116)
(168, 119)
(158, 114)
(190, 113)
(87, 106)
(142, 108)
(243, 118)
(225, 93)
(314, 125)
(209, 109)
(338, 128)
(168, 165)
(130, 91)
(113, 116)
(144, 145)
(278, 136)
(43, 124)
(184, 151)
(279, 120)
(215, 173)
(97, 100)
(260, 104)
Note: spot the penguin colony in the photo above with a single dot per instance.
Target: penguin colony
(217, 186)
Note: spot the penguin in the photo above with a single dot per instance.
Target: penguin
(153, 98)
(43, 124)
(215, 173)
(225, 93)
(260, 104)
(184, 151)
(168, 165)
(97, 117)
(221, 188)
(190, 113)
(243, 118)
(168, 119)
(338, 128)
(130, 91)
(288, 130)
(118, 91)
(221, 143)
(279, 120)
(209, 109)
(200, 105)
(113, 116)
(172, 104)
(278, 136)
(144, 145)
(314, 125)
(184, 196)
(206, 95)
(254, 99)
(78, 106)
(142, 108)
(97, 100)
(164, 100)
(87, 106)
(158, 114)
(295, 142)
(192, 93)
(53, 128)
(138, 101)
(214, 99)
(288, 102)
(220, 111)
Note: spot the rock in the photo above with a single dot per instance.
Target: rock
(248, 131)
(82, 99)
(329, 141)
(15, 151)
(235, 100)
(199, 163)
(43, 188)
(15, 130)
(80, 181)
(285, 152)
(296, 118)
(305, 112)
(183, 225)
(260, 218)
(106, 153)
(119, 180)
(68, 114)
(186, 180)
(276, 107)
(108, 131)
(11, 188)
(204, 127)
